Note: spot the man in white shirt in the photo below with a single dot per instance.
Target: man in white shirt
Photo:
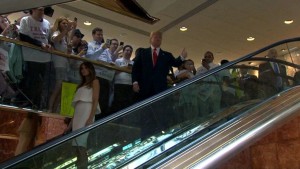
(35, 30)
(109, 55)
(123, 94)
(208, 65)
(210, 92)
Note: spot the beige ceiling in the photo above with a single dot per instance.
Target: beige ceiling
(221, 26)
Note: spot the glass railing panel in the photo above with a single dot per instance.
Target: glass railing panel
(266, 74)
(39, 83)
(250, 81)
(32, 77)
(177, 115)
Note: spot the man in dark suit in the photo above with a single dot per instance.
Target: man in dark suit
(151, 67)
(272, 75)
(149, 77)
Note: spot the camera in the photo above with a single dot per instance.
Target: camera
(107, 41)
(84, 46)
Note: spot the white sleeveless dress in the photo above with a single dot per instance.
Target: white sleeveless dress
(82, 104)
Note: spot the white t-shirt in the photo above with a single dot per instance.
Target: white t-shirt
(122, 77)
(202, 69)
(62, 46)
(39, 31)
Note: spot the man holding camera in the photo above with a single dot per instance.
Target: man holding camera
(79, 48)
(96, 46)
(123, 94)
(106, 76)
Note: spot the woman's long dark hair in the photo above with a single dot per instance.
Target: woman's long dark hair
(92, 75)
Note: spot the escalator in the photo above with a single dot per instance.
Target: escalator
(223, 147)
(160, 129)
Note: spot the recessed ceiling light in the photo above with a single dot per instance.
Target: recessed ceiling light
(250, 38)
(288, 21)
(282, 50)
(87, 23)
(183, 29)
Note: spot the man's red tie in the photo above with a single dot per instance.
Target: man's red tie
(154, 56)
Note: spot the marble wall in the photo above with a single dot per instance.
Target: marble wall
(47, 127)
(279, 149)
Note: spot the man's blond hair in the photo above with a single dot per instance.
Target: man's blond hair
(155, 33)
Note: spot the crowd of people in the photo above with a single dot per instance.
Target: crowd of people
(150, 67)
(102, 91)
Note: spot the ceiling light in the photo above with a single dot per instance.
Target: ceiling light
(87, 23)
(282, 50)
(183, 29)
(288, 21)
(250, 38)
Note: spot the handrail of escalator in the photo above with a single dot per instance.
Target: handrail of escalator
(138, 105)
(61, 54)
(232, 137)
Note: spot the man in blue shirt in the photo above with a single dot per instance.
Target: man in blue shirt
(96, 47)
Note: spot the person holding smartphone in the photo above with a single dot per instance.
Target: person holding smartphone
(123, 94)
(111, 54)
(96, 47)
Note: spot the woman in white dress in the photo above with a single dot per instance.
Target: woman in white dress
(86, 105)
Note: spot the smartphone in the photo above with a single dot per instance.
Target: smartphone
(121, 43)
(108, 41)
(75, 19)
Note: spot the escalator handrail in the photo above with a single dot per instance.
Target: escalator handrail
(47, 146)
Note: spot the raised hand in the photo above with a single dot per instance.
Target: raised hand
(184, 53)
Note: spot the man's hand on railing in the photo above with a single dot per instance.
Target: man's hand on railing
(47, 47)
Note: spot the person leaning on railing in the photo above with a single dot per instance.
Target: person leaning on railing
(123, 94)
(79, 48)
(35, 30)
